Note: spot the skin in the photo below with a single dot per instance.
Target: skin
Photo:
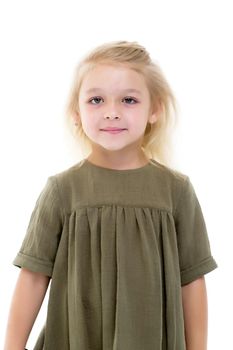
(116, 151)
(195, 308)
(26, 301)
(31, 288)
(123, 150)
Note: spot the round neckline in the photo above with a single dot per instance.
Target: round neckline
(119, 171)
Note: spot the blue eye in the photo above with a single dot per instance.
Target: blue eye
(130, 98)
(95, 98)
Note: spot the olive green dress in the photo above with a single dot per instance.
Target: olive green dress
(118, 246)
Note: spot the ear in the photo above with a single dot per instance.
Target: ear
(155, 115)
(76, 118)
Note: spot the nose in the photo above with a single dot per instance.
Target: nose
(112, 109)
(111, 116)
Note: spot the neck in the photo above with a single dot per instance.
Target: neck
(114, 160)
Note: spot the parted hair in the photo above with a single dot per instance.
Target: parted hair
(157, 142)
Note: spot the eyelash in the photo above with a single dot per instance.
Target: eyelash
(128, 98)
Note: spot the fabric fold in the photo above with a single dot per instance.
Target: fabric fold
(118, 246)
(173, 297)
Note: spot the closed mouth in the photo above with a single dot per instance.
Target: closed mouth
(112, 129)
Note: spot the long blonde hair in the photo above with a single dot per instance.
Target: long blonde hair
(157, 142)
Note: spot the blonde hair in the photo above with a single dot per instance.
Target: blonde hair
(157, 142)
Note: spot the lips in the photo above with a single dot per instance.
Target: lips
(112, 129)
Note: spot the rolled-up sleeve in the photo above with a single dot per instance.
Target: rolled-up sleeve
(39, 246)
(195, 255)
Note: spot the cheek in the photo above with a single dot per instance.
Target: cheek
(90, 123)
(88, 111)
(137, 119)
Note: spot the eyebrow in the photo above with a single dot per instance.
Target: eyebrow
(125, 90)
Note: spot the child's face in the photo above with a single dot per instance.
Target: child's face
(113, 98)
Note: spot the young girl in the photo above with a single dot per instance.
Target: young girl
(120, 234)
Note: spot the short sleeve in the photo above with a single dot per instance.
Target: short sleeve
(39, 247)
(195, 256)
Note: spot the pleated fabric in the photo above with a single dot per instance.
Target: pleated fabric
(115, 246)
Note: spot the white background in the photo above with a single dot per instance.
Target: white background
(41, 42)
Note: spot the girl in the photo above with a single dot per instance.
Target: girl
(120, 234)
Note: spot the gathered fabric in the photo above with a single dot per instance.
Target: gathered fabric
(118, 246)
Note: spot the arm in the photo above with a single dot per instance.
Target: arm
(195, 308)
(26, 302)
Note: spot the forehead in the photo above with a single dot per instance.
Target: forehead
(128, 90)
(113, 77)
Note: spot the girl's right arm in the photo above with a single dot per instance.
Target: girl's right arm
(27, 299)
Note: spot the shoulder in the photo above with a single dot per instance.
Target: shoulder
(70, 179)
(169, 174)
(70, 185)
(70, 173)
(170, 183)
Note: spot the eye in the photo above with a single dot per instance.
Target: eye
(130, 99)
(95, 99)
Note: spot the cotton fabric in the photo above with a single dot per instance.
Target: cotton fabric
(118, 246)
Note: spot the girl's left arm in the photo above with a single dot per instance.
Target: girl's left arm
(195, 308)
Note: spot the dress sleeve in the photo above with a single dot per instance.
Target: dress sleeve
(195, 256)
(39, 247)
